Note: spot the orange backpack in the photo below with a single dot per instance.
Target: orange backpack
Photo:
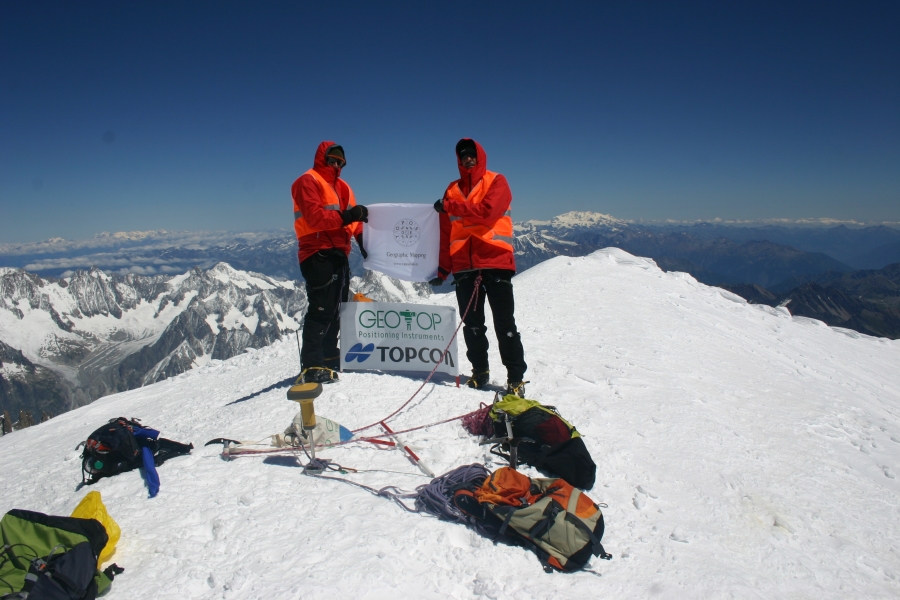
(562, 522)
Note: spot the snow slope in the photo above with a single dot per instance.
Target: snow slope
(742, 453)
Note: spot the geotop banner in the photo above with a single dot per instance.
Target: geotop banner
(403, 241)
(395, 336)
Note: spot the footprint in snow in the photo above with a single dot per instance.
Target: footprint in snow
(640, 500)
(678, 535)
(642, 489)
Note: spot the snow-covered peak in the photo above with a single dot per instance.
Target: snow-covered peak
(225, 273)
(574, 220)
(381, 288)
(585, 219)
(129, 235)
(740, 452)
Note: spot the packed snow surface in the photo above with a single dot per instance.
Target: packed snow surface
(741, 453)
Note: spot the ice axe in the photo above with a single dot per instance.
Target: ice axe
(508, 439)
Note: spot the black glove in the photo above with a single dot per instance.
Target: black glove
(362, 249)
(439, 206)
(355, 214)
(436, 281)
(112, 570)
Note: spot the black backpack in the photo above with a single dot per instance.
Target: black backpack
(542, 439)
(113, 449)
(110, 450)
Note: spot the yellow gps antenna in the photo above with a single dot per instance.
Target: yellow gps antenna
(304, 394)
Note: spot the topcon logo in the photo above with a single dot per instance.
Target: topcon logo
(359, 352)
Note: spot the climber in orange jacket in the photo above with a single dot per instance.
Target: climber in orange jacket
(477, 239)
(326, 217)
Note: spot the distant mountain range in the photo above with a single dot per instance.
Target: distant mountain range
(66, 342)
(867, 301)
(871, 247)
(712, 253)
(711, 260)
(81, 319)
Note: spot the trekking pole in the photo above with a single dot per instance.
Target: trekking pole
(412, 455)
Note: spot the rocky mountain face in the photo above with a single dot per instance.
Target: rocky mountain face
(27, 387)
(66, 342)
(381, 288)
(835, 307)
(867, 301)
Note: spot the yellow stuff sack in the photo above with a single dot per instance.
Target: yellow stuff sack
(91, 507)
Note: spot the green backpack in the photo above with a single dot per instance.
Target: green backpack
(515, 407)
(51, 557)
(560, 521)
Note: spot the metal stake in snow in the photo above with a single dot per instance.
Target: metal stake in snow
(412, 455)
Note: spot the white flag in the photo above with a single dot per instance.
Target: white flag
(403, 241)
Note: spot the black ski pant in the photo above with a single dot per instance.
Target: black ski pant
(497, 285)
(327, 275)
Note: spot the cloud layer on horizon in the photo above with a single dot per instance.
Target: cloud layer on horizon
(136, 241)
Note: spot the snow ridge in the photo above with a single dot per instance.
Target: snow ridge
(741, 453)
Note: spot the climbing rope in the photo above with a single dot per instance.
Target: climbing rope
(391, 492)
(234, 452)
(472, 298)
(436, 498)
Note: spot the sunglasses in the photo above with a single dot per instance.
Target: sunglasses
(332, 160)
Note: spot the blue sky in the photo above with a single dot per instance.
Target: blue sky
(181, 115)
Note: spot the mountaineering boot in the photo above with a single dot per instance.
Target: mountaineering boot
(479, 379)
(319, 375)
(516, 388)
(333, 363)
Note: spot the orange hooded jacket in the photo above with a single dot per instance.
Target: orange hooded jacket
(319, 196)
(476, 225)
